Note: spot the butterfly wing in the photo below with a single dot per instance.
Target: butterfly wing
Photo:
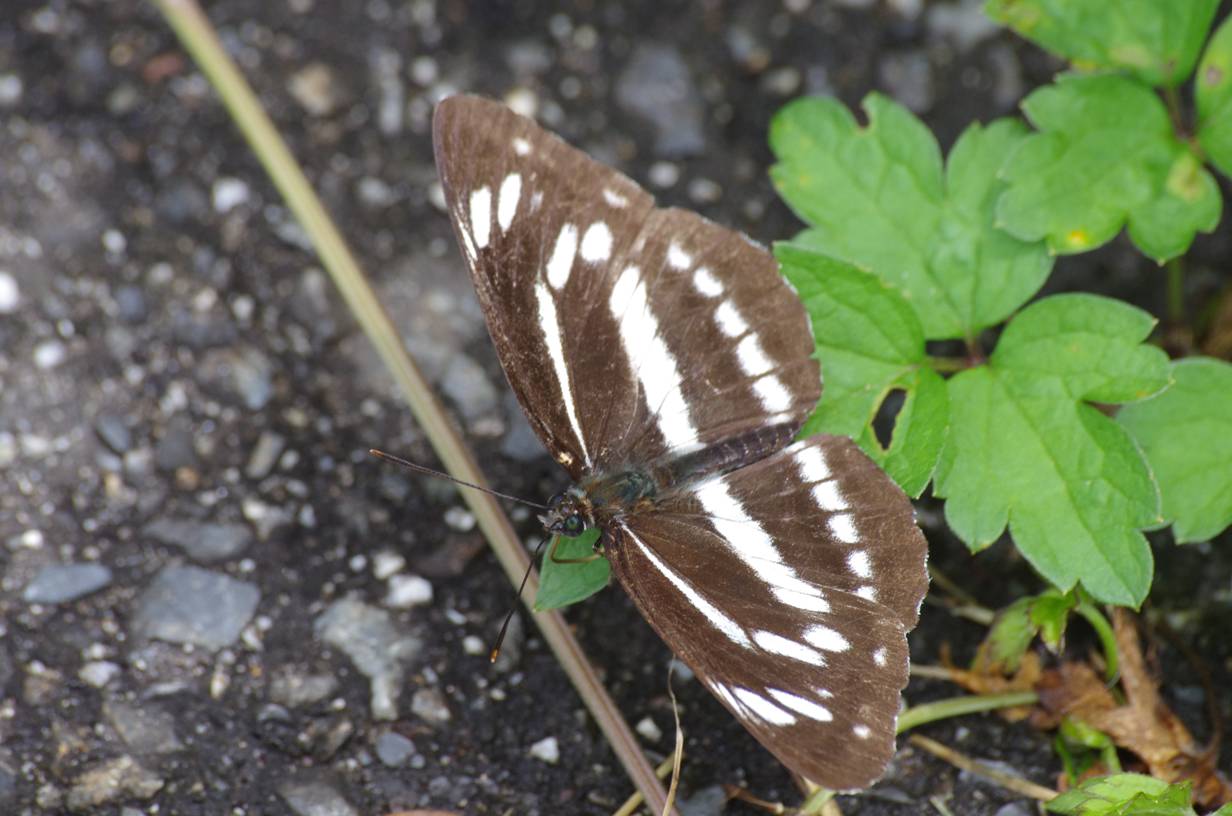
(628, 333)
(790, 601)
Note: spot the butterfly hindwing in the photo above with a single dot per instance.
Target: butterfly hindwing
(750, 583)
(627, 332)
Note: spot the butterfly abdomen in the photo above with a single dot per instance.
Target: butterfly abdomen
(729, 454)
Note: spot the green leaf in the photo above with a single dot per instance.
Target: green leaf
(1009, 637)
(1106, 156)
(870, 344)
(1213, 94)
(564, 584)
(1016, 626)
(1026, 449)
(1050, 614)
(878, 198)
(1125, 795)
(1186, 434)
(1155, 40)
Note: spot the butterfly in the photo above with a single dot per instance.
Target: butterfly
(667, 366)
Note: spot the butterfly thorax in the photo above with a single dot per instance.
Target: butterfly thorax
(601, 497)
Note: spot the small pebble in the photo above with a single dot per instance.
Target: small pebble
(10, 294)
(649, 729)
(186, 604)
(473, 645)
(406, 591)
(429, 704)
(387, 563)
(264, 454)
(10, 90)
(460, 519)
(98, 673)
(546, 750)
(228, 194)
(60, 583)
(663, 174)
(377, 647)
(393, 749)
(307, 797)
(49, 354)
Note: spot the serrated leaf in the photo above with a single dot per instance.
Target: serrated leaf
(1213, 94)
(879, 198)
(1124, 795)
(1186, 434)
(870, 343)
(1025, 449)
(1156, 40)
(1105, 157)
(564, 584)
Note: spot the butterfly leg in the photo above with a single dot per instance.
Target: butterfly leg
(586, 560)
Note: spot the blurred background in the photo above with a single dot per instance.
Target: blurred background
(212, 600)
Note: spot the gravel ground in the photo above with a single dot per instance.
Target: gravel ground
(212, 601)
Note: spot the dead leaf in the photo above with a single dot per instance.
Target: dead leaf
(1143, 724)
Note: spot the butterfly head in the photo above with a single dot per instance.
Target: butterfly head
(569, 514)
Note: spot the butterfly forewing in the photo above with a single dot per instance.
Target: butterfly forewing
(760, 582)
(627, 332)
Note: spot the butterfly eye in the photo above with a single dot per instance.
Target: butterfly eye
(573, 526)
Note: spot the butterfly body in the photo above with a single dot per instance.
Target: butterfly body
(667, 367)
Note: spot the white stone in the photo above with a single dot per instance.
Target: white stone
(406, 591)
(229, 193)
(10, 295)
(546, 750)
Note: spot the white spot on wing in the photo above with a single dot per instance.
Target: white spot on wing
(868, 593)
(812, 464)
(763, 708)
(752, 544)
(550, 325)
(597, 243)
(859, 564)
(829, 497)
(713, 614)
(779, 645)
(844, 528)
(561, 262)
(823, 637)
(802, 600)
(879, 656)
(707, 283)
(481, 216)
(614, 198)
(650, 357)
(730, 321)
(507, 202)
(802, 705)
(773, 394)
(861, 731)
(752, 357)
(677, 258)
(520, 146)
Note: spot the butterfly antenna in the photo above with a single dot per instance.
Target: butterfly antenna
(398, 460)
(500, 637)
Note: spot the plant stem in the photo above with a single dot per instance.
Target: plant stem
(201, 41)
(1107, 638)
(1176, 292)
(916, 716)
(948, 365)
